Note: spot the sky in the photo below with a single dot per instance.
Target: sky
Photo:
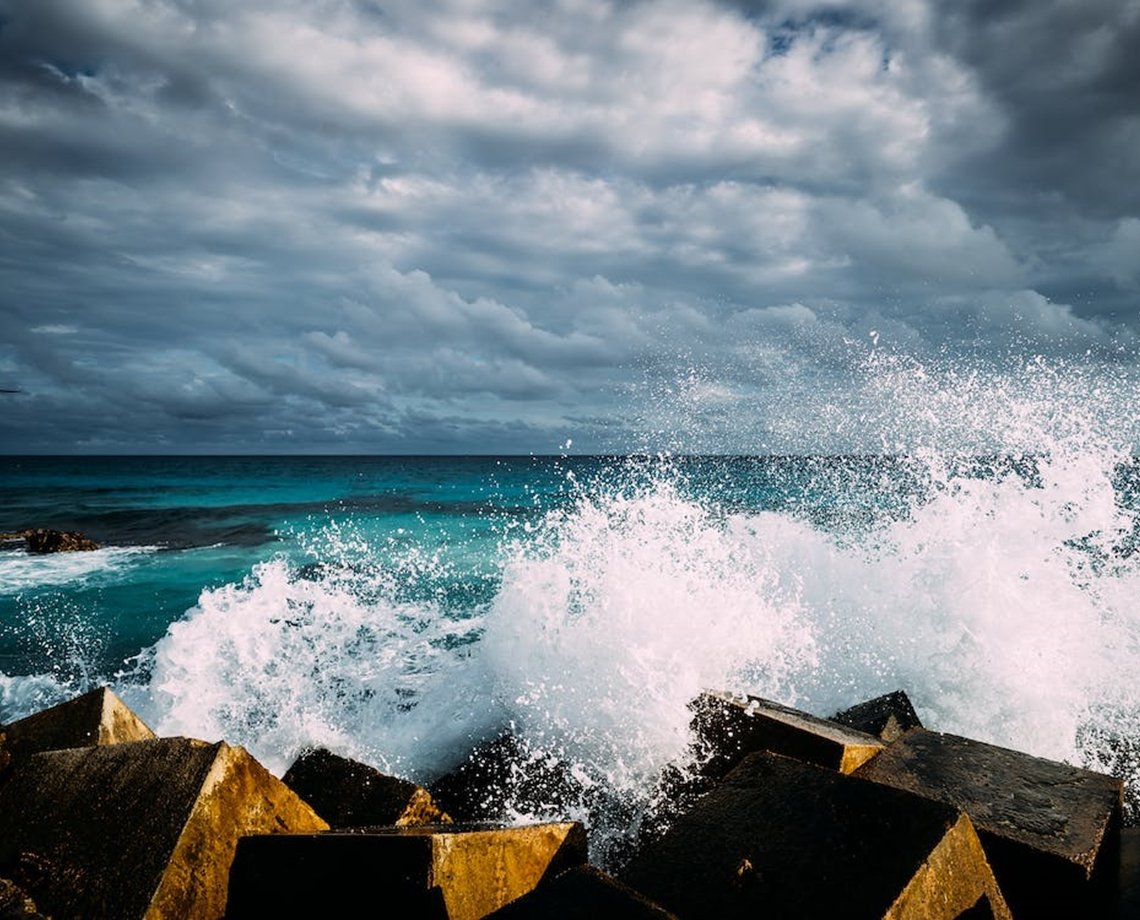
(495, 226)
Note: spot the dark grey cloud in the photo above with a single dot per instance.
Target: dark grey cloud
(492, 226)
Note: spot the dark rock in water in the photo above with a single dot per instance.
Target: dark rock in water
(502, 776)
(784, 839)
(449, 872)
(347, 793)
(886, 717)
(727, 727)
(144, 828)
(15, 903)
(97, 717)
(43, 541)
(1051, 831)
(582, 893)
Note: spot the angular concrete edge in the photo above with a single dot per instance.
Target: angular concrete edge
(582, 893)
(239, 797)
(886, 717)
(729, 727)
(937, 889)
(97, 717)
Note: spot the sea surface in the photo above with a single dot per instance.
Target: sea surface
(400, 609)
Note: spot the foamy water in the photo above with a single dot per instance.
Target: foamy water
(1001, 596)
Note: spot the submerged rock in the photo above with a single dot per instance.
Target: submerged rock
(347, 793)
(1051, 831)
(781, 838)
(436, 873)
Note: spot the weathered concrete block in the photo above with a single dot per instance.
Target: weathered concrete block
(1129, 899)
(501, 776)
(784, 839)
(347, 793)
(886, 717)
(95, 718)
(15, 903)
(727, 727)
(447, 872)
(1051, 831)
(583, 893)
(139, 829)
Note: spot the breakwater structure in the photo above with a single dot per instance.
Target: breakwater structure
(777, 813)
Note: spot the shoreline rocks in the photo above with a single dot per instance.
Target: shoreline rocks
(40, 541)
(864, 815)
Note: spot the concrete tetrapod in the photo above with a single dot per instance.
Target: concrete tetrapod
(1051, 831)
(450, 872)
(582, 893)
(886, 717)
(139, 829)
(778, 838)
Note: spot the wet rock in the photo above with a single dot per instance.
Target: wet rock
(582, 893)
(784, 839)
(452, 872)
(502, 776)
(40, 540)
(95, 718)
(1051, 831)
(144, 828)
(727, 727)
(1129, 889)
(886, 717)
(347, 793)
(15, 903)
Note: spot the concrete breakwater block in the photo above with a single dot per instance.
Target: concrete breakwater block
(886, 717)
(138, 829)
(1051, 831)
(95, 718)
(347, 793)
(501, 776)
(727, 727)
(582, 893)
(443, 873)
(778, 838)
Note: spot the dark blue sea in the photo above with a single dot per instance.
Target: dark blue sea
(399, 609)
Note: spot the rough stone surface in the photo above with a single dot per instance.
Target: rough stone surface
(583, 893)
(728, 727)
(138, 829)
(42, 540)
(1051, 831)
(449, 872)
(95, 718)
(886, 717)
(15, 903)
(1129, 900)
(347, 793)
(784, 839)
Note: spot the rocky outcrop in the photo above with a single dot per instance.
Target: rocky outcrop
(40, 540)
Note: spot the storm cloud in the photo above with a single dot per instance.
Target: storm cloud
(478, 226)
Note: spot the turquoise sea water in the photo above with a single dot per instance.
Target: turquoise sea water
(399, 609)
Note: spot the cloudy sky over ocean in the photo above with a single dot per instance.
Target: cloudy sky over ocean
(480, 226)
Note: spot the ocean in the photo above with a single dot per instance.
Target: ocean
(398, 610)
